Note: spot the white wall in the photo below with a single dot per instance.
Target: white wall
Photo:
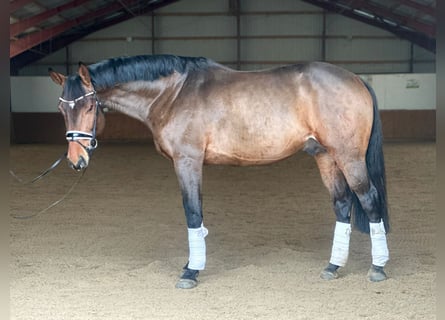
(272, 33)
(410, 91)
(34, 94)
(394, 92)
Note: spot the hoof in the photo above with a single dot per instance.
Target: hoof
(376, 274)
(328, 274)
(188, 279)
(186, 284)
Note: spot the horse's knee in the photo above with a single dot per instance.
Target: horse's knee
(342, 198)
(334, 180)
(342, 208)
(356, 175)
(368, 201)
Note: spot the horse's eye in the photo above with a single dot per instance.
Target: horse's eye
(90, 108)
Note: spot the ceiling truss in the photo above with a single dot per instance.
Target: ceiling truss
(419, 31)
(38, 28)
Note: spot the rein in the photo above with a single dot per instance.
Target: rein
(52, 204)
(44, 173)
(40, 176)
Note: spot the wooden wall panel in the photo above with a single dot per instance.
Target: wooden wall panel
(50, 128)
(409, 124)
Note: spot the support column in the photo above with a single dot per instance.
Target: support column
(234, 7)
(153, 32)
(323, 37)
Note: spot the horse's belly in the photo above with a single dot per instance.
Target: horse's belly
(253, 153)
(246, 136)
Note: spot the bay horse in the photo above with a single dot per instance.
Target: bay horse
(201, 112)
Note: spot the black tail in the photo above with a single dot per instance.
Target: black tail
(376, 172)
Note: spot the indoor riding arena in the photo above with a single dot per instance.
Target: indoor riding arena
(110, 240)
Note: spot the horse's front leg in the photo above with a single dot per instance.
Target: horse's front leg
(189, 173)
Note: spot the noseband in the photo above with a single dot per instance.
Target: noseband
(75, 135)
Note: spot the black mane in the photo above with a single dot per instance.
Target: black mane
(109, 72)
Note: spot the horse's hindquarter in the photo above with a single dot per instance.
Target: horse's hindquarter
(343, 113)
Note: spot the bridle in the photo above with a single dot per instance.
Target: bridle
(72, 135)
(75, 135)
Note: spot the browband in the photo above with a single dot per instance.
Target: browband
(72, 103)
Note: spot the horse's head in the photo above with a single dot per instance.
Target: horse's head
(82, 113)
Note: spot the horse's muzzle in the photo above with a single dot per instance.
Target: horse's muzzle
(77, 156)
(80, 165)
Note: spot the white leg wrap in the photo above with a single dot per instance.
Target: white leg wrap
(197, 248)
(340, 246)
(380, 253)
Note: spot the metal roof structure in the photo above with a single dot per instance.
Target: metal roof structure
(41, 27)
(412, 20)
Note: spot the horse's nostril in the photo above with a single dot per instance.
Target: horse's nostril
(75, 167)
(81, 164)
(71, 164)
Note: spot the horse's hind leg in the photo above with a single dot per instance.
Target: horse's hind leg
(356, 174)
(341, 197)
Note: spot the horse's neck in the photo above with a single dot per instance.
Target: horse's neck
(136, 99)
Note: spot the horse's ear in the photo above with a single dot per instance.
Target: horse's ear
(84, 75)
(57, 77)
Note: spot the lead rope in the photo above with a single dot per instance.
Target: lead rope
(40, 176)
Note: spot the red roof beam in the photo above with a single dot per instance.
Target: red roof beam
(399, 19)
(31, 40)
(20, 26)
(17, 4)
(418, 6)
